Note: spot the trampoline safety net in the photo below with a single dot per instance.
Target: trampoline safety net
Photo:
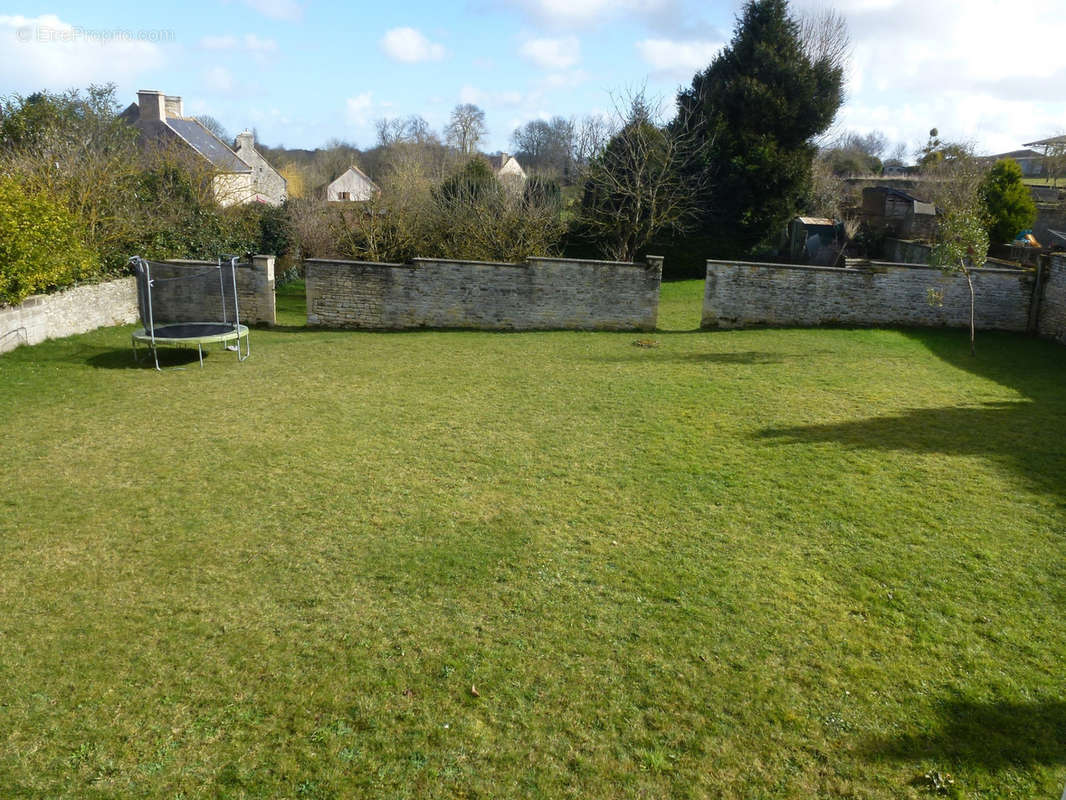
(188, 305)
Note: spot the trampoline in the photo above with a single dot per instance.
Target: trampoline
(188, 334)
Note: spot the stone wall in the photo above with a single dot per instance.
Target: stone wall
(907, 251)
(197, 296)
(77, 310)
(739, 294)
(543, 293)
(1052, 313)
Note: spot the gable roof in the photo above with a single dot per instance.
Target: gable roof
(192, 132)
(207, 144)
(358, 172)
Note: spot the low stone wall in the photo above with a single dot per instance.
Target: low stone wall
(1051, 321)
(906, 251)
(739, 294)
(541, 294)
(77, 310)
(197, 296)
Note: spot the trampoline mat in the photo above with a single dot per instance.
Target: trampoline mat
(192, 330)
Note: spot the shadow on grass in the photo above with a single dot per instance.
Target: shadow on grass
(123, 359)
(985, 735)
(658, 354)
(1025, 435)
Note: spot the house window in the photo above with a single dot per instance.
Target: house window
(344, 195)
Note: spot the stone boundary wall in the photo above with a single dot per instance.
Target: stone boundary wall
(198, 299)
(908, 251)
(540, 294)
(740, 294)
(1051, 320)
(71, 311)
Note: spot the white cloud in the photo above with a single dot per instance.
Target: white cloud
(289, 10)
(584, 12)
(916, 65)
(218, 42)
(677, 59)
(358, 109)
(564, 80)
(555, 54)
(253, 44)
(219, 79)
(249, 43)
(410, 46)
(47, 52)
(479, 97)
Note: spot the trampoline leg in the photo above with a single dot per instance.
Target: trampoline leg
(200, 349)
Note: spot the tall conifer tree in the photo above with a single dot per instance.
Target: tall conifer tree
(756, 109)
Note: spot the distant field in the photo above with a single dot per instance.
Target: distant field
(750, 564)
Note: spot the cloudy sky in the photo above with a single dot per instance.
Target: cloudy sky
(305, 71)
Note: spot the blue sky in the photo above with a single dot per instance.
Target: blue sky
(305, 71)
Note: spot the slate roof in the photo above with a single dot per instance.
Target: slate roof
(207, 144)
(192, 133)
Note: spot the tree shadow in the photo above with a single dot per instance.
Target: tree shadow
(1033, 367)
(658, 354)
(1025, 436)
(986, 735)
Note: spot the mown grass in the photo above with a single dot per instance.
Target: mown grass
(773, 563)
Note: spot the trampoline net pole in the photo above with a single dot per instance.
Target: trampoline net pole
(237, 314)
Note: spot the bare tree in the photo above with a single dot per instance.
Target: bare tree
(824, 35)
(637, 187)
(1055, 158)
(898, 156)
(591, 136)
(546, 146)
(215, 127)
(410, 129)
(466, 128)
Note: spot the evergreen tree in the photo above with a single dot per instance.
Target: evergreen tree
(755, 110)
(1010, 207)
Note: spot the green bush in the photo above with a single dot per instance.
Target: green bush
(472, 183)
(42, 246)
(1010, 206)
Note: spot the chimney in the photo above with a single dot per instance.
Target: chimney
(151, 105)
(173, 106)
(245, 139)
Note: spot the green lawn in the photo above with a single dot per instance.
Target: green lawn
(768, 563)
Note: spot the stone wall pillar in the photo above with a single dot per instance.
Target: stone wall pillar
(263, 286)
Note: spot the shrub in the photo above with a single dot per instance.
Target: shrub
(1010, 207)
(41, 245)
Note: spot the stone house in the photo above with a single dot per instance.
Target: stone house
(351, 186)
(238, 177)
(506, 167)
(268, 185)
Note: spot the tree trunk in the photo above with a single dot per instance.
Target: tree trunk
(969, 282)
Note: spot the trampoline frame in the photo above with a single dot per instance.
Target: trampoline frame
(147, 334)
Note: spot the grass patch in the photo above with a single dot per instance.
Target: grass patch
(768, 563)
